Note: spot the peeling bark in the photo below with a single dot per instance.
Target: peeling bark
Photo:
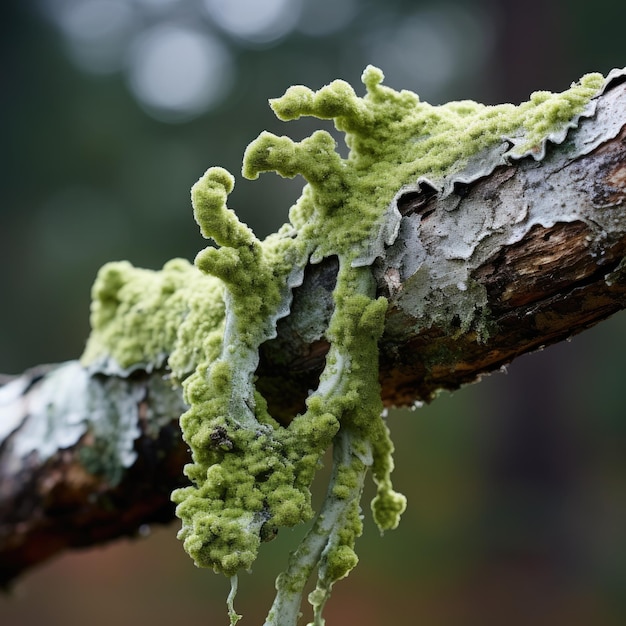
(524, 257)
(51, 502)
(559, 278)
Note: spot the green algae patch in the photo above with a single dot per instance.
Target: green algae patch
(249, 474)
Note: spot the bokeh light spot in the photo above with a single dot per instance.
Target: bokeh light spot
(96, 31)
(255, 21)
(427, 50)
(177, 73)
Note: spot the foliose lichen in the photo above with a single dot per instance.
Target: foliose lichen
(249, 474)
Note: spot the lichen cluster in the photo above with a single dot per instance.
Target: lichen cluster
(249, 474)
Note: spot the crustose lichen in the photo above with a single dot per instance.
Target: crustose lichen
(249, 474)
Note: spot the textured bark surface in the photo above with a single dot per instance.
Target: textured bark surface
(553, 283)
(544, 260)
(62, 501)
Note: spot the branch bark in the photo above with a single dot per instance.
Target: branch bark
(524, 257)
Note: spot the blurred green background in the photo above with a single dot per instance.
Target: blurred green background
(111, 109)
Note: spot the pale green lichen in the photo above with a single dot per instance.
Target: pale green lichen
(249, 474)
(138, 316)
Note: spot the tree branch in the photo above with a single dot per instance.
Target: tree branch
(65, 482)
(521, 258)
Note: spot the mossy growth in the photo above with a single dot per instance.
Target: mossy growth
(249, 474)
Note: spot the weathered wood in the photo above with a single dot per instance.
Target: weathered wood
(56, 496)
(538, 247)
(555, 281)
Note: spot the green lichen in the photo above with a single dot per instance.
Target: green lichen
(249, 474)
(138, 316)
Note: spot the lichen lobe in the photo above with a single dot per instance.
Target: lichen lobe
(249, 474)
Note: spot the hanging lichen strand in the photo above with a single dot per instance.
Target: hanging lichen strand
(250, 475)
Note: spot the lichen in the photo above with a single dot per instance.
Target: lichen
(138, 315)
(249, 474)
(68, 404)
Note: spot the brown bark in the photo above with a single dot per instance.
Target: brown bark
(563, 274)
(542, 289)
(62, 502)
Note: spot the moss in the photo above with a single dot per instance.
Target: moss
(249, 475)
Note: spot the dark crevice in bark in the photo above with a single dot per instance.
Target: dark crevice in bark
(290, 364)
